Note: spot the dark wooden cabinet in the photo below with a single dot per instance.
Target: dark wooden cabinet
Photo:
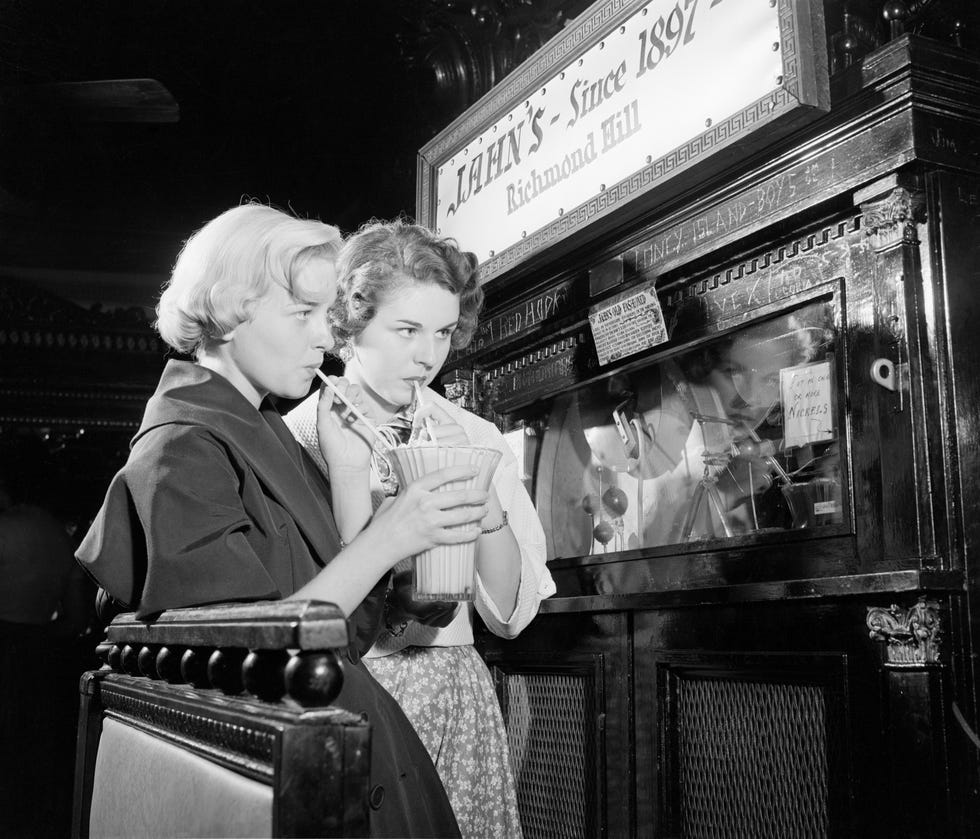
(796, 674)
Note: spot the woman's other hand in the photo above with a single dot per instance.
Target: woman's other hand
(420, 517)
(403, 607)
(448, 432)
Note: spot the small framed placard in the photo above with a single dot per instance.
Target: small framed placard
(807, 392)
(628, 323)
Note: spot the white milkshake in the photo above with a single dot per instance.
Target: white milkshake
(445, 572)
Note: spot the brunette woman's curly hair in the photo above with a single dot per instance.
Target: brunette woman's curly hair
(383, 257)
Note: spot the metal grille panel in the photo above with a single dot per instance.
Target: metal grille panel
(550, 723)
(752, 760)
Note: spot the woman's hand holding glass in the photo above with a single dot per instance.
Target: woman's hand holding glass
(450, 433)
(421, 516)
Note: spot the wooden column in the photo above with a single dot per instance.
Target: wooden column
(914, 765)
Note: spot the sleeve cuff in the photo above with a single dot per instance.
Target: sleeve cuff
(526, 607)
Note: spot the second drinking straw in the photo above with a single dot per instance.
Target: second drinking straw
(429, 425)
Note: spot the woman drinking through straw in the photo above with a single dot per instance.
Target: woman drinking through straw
(405, 297)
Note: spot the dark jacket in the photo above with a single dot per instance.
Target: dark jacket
(217, 502)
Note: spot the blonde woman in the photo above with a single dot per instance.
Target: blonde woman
(217, 502)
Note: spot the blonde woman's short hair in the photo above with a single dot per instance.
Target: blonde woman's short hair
(229, 264)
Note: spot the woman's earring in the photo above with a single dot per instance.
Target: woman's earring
(345, 352)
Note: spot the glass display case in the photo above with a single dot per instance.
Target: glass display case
(736, 435)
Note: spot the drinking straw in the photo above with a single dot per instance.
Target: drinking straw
(428, 422)
(355, 411)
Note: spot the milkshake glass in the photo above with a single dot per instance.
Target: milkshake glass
(445, 572)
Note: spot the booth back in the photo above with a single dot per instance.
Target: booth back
(217, 722)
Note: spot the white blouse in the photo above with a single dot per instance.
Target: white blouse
(536, 583)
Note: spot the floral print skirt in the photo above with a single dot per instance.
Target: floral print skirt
(448, 695)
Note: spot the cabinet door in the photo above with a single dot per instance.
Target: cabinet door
(737, 437)
(742, 726)
(564, 690)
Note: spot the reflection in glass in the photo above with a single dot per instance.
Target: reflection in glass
(737, 436)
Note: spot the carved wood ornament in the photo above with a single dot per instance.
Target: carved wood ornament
(893, 217)
(912, 635)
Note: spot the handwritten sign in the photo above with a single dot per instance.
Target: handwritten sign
(627, 324)
(807, 399)
(523, 317)
(668, 85)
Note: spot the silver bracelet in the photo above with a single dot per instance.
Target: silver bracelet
(500, 526)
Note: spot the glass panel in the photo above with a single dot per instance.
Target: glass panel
(736, 436)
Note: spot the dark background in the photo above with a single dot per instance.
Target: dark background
(316, 107)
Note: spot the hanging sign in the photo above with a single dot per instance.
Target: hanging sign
(806, 391)
(658, 88)
(628, 323)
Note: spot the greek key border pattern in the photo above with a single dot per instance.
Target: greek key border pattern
(424, 210)
(804, 244)
(671, 297)
(789, 37)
